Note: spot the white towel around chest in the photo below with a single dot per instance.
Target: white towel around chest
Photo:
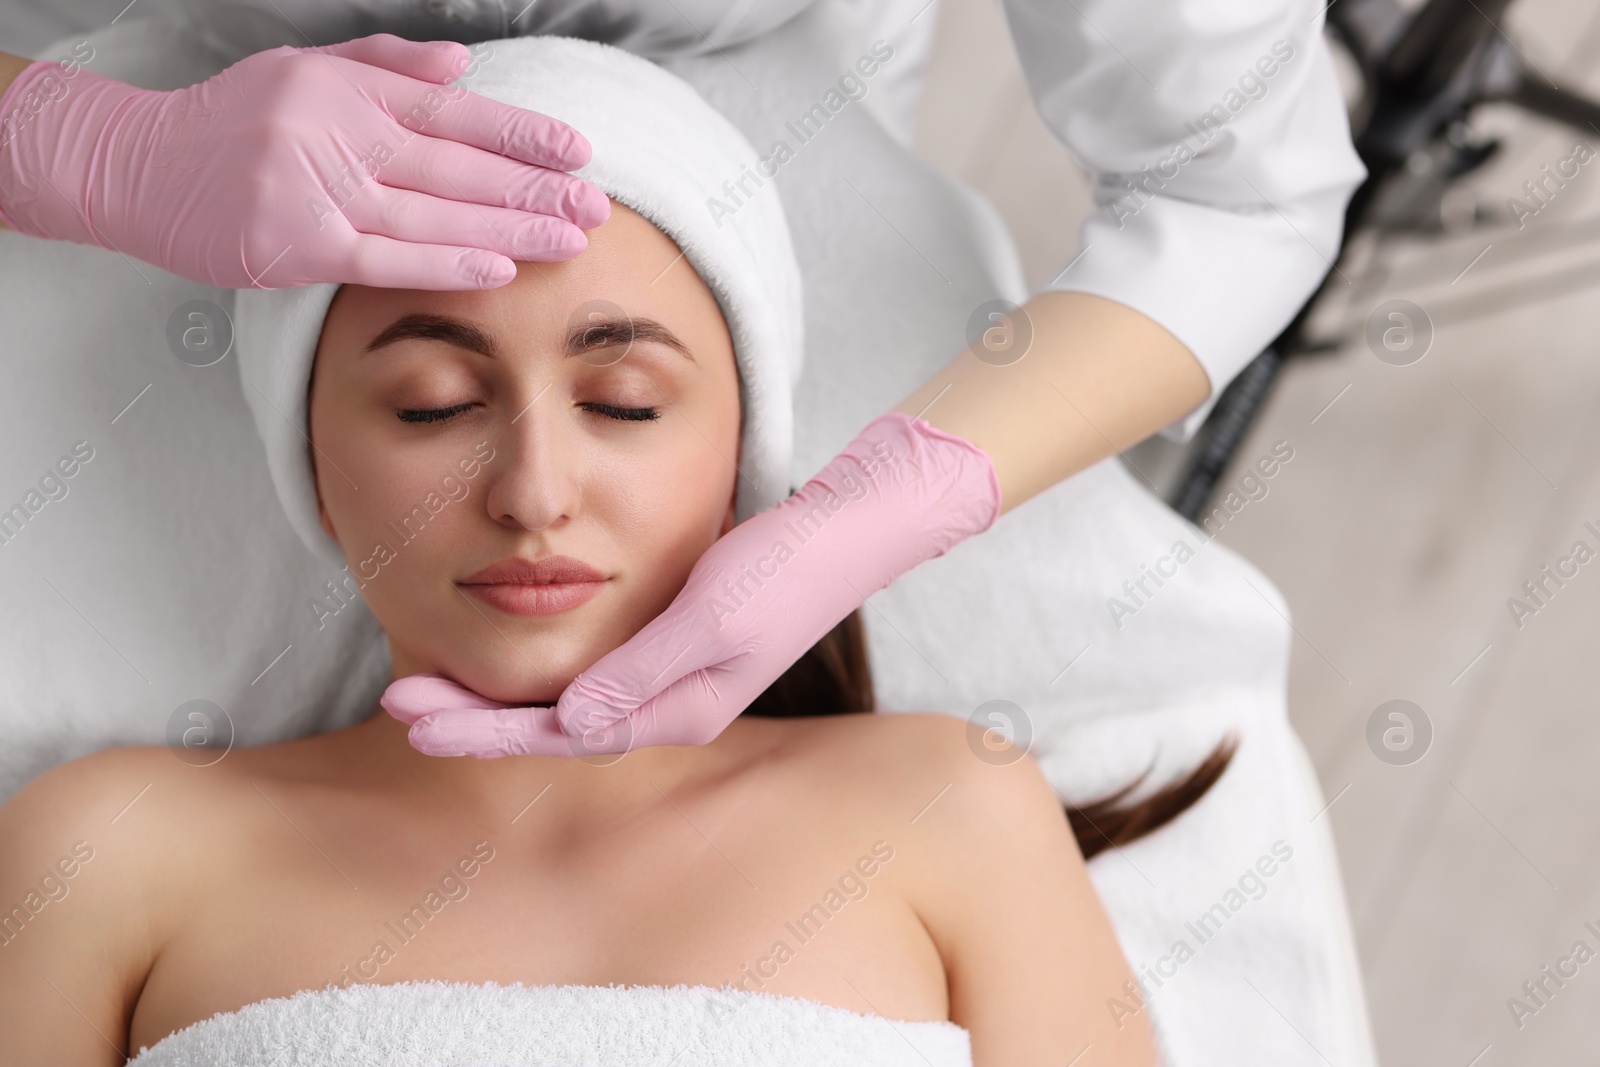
(439, 1024)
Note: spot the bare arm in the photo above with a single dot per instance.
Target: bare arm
(1030, 955)
(73, 949)
(1217, 239)
(10, 67)
(1098, 377)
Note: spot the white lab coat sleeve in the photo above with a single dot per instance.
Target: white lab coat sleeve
(1217, 135)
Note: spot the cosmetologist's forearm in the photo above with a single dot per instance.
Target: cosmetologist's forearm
(1096, 378)
(10, 67)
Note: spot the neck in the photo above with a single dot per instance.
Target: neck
(506, 785)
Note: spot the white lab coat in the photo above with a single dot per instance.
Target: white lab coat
(1218, 229)
(1221, 249)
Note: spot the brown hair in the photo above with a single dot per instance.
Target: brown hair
(835, 678)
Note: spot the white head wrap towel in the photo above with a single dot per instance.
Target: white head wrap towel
(660, 149)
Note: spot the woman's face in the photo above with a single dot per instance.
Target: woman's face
(456, 430)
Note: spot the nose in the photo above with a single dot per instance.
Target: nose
(536, 481)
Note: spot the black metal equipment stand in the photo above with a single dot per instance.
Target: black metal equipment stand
(1423, 75)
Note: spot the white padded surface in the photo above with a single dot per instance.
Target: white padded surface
(168, 573)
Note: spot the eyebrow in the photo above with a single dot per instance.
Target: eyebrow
(595, 334)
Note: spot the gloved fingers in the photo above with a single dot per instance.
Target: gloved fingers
(422, 219)
(664, 720)
(461, 115)
(471, 175)
(489, 733)
(381, 261)
(416, 695)
(440, 62)
(668, 648)
(694, 709)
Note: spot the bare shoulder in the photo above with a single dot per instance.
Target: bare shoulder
(906, 744)
(133, 822)
(874, 735)
(911, 765)
(122, 814)
(987, 862)
(111, 789)
(90, 791)
(84, 850)
(82, 773)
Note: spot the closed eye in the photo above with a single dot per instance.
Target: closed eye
(611, 411)
(432, 414)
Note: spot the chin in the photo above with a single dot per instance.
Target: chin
(532, 672)
(515, 668)
(522, 687)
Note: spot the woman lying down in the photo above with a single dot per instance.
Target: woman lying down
(811, 888)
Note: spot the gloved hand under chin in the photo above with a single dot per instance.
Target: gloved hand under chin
(901, 493)
(354, 162)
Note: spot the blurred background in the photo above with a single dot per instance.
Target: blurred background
(1419, 501)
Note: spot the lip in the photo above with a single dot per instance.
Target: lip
(547, 586)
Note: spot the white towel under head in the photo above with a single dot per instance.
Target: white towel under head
(457, 1024)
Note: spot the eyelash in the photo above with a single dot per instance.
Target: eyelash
(433, 414)
(610, 411)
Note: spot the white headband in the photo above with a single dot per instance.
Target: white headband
(660, 149)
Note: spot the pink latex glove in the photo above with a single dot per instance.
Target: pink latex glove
(902, 492)
(348, 163)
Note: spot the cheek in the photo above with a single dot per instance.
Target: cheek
(381, 499)
(664, 502)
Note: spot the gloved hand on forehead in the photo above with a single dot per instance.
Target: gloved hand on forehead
(355, 162)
